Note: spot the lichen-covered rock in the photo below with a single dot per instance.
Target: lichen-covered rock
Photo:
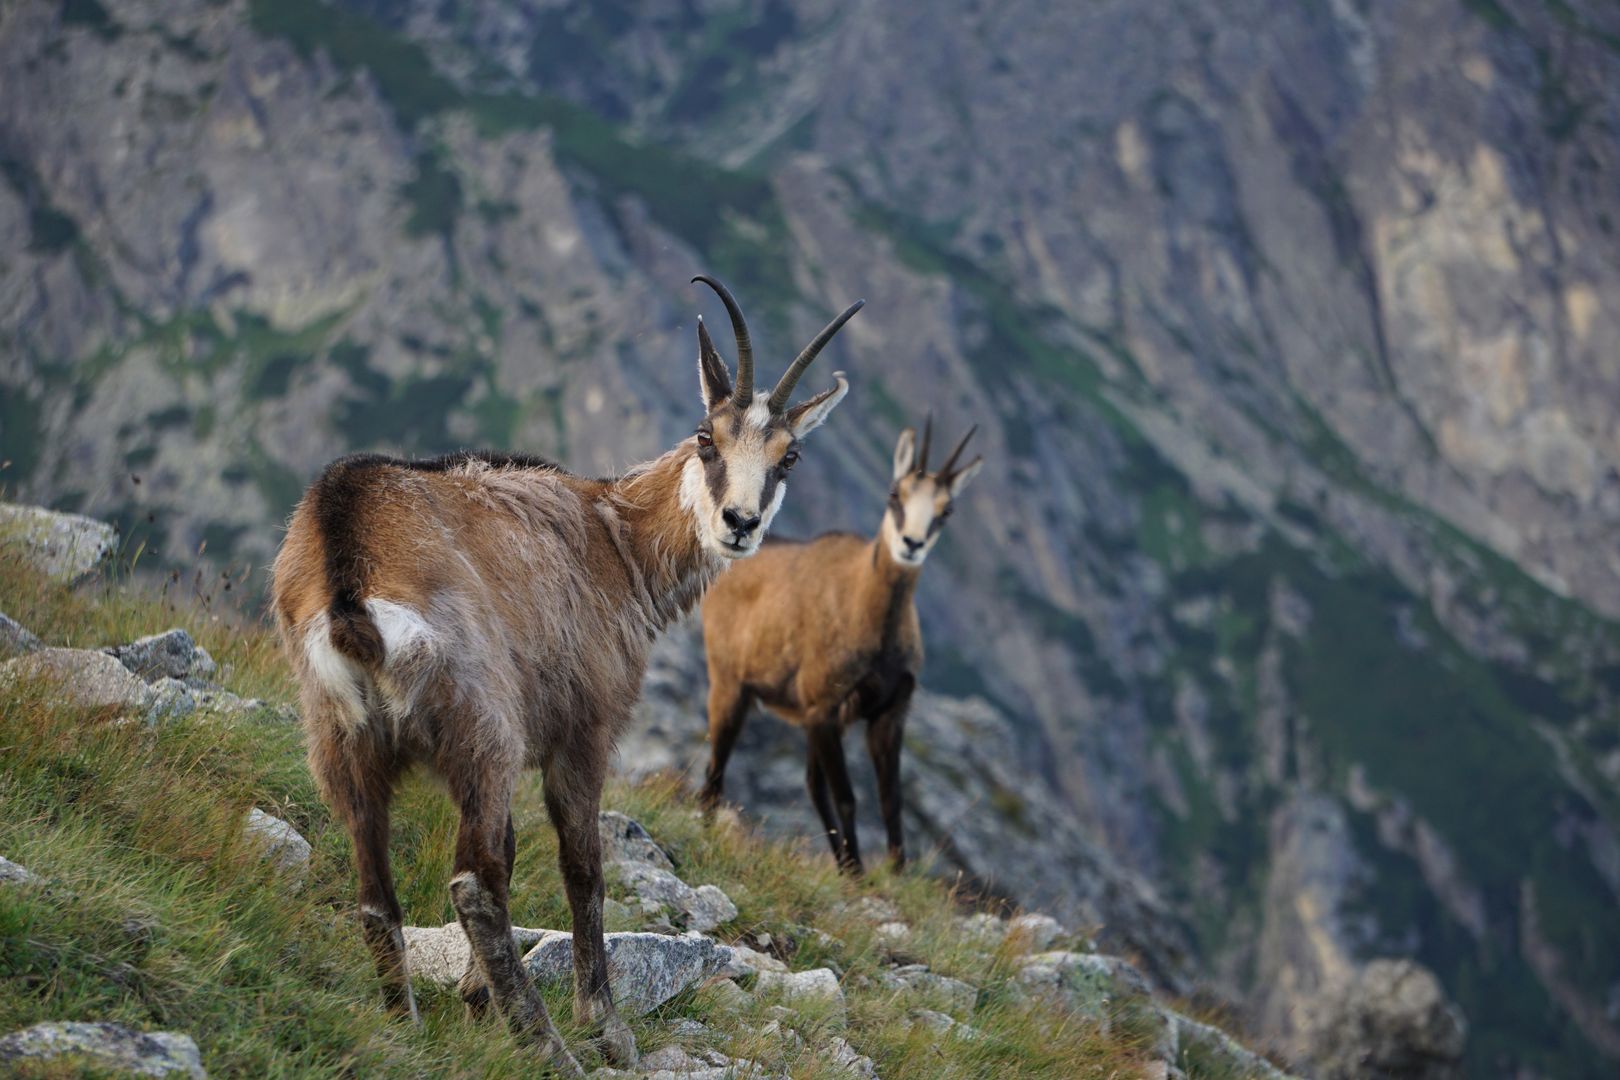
(1393, 1020)
(12, 874)
(89, 680)
(172, 654)
(15, 639)
(644, 970)
(1088, 982)
(839, 1051)
(915, 980)
(624, 839)
(816, 986)
(702, 908)
(941, 1024)
(63, 547)
(1204, 1050)
(279, 841)
(104, 1048)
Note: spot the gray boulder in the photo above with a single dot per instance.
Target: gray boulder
(1393, 1020)
(915, 980)
(12, 874)
(1089, 983)
(172, 654)
(63, 547)
(644, 970)
(795, 988)
(103, 1048)
(280, 843)
(94, 680)
(625, 840)
(15, 638)
(1208, 1051)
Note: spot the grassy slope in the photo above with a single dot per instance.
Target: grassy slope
(156, 915)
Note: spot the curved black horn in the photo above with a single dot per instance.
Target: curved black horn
(920, 464)
(790, 377)
(743, 392)
(950, 462)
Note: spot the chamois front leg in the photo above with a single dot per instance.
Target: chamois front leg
(829, 774)
(885, 736)
(728, 708)
(478, 891)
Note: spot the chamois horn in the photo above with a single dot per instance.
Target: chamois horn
(790, 377)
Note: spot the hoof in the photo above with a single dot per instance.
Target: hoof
(618, 1046)
(474, 993)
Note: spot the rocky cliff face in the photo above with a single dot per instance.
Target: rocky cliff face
(1292, 573)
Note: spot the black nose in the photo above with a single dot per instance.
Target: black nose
(913, 546)
(738, 524)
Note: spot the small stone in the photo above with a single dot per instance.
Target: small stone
(796, 988)
(63, 547)
(916, 980)
(171, 654)
(1089, 982)
(279, 841)
(440, 954)
(893, 933)
(671, 1058)
(102, 1047)
(701, 909)
(15, 638)
(941, 1024)
(757, 961)
(1035, 932)
(170, 700)
(12, 874)
(874, 909)
(851, 1060)
(625, 840)
(729, 997)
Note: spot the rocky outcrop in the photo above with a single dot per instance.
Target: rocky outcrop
(101, 1048)
(1393, 1020)
(169, 655)
(64, 547)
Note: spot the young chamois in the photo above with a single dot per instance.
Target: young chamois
(480, 613)
(824, 632)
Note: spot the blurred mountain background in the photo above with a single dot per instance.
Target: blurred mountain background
(1286, 614)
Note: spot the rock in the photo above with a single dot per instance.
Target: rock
(756, 960)
(644, 970)
(1035, 932)
(795, 988)
(893, 933)
(702, 908)
(64, 547)
(105, 1048)
(440, 954)
(625, 840)
(851, 1060)
(876, 909)
(89, 680)
(956, 996)
(1089, 983)
(12, 874)
(670, 1059)
(279, 842)
(170, 700)
(1205, 1050)
(172, 654)
(941, 1024)
(15, 638)
(1394, 1020)
(729, 997)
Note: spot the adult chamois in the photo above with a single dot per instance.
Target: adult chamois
(481, 613)
(825, 632)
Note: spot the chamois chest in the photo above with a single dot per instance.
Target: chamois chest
(886, 681)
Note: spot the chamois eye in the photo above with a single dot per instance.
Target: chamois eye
(705, 440)
(945, 513)
(790, 459)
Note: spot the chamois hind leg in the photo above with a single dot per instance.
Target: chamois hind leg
(478, 891)
(355, 772)
(474, 991)
(729, 702)
(827, 746)
(885, 735)
(573, 787)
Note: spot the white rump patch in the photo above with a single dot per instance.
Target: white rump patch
(403, 629)
(335, 673)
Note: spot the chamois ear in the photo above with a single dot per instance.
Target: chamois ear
(905, 453)
(805, 418)
(712, 371)
(961, 479)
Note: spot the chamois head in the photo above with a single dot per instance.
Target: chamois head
(747, 442)
(920, 501)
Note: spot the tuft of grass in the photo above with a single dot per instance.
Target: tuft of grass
(156, 914)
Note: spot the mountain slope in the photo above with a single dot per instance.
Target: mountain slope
(1292, 557)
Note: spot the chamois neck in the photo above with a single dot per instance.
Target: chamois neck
(657, 539)
(889, 587)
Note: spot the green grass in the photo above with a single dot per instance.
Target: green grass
(158, 916)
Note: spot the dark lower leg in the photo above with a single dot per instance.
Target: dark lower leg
(815, 781)
(381, 920)
(830, 752)
(478, 890)
(728, 708)
(474, 990)
(573, 797)
(884, 738)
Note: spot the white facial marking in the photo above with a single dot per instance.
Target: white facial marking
(770, 511)
(918, 505)
(759, 412)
